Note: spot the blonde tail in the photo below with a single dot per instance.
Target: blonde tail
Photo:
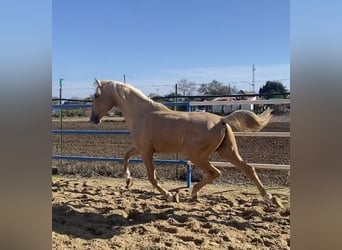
(244, 120)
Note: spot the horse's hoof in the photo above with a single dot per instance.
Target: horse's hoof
(129, 183)
(176, 197)
(273, 200)
(194, 198)
(268, 198)
(277, 202)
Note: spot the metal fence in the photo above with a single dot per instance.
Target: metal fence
(188, 106)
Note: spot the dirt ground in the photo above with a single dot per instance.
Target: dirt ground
(100, 213)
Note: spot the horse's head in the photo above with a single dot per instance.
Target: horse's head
(102, 102)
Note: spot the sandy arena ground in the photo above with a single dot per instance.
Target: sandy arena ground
(102, 214)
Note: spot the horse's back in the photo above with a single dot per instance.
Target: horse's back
(173, 120)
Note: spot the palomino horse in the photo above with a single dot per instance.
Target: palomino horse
(156, 128)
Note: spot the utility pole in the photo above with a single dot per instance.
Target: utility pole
(176, 93)
(124, 76)
(253, 81)
(61, 115)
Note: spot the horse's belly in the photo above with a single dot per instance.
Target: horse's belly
(177, 132)
(167, 145)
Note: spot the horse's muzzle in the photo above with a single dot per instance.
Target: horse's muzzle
(95, 119)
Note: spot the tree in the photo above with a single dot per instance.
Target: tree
(154, 96)
(186, 87)
(273, 87)
(215, 88)
(171, 97)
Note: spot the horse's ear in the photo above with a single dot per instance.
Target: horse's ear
(98, 92)
(98, 82)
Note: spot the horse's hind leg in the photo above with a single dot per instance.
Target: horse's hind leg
(127, 174)
(210, 170)
(229, 151)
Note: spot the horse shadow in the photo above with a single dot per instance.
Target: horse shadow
(68, 220)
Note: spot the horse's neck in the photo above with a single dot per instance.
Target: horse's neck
(137, 108)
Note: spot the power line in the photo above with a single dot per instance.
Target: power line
(172, 85)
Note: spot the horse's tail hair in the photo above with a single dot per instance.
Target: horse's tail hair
(244, 120)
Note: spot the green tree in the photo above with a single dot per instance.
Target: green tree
(273, 87)
(215, 88)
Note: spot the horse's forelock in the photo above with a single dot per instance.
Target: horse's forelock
(100, 84)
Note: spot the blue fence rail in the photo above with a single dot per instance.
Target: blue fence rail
(71, 106)
(114, 132)
(87, 105)
(133, 160)
(97, 132)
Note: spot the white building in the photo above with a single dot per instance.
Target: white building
(228, 108)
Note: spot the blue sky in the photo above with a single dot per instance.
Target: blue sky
(157, 43)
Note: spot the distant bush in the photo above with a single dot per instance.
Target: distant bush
(71, 113)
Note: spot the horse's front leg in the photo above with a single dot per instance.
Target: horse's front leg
(127, 174)
(152, 177)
